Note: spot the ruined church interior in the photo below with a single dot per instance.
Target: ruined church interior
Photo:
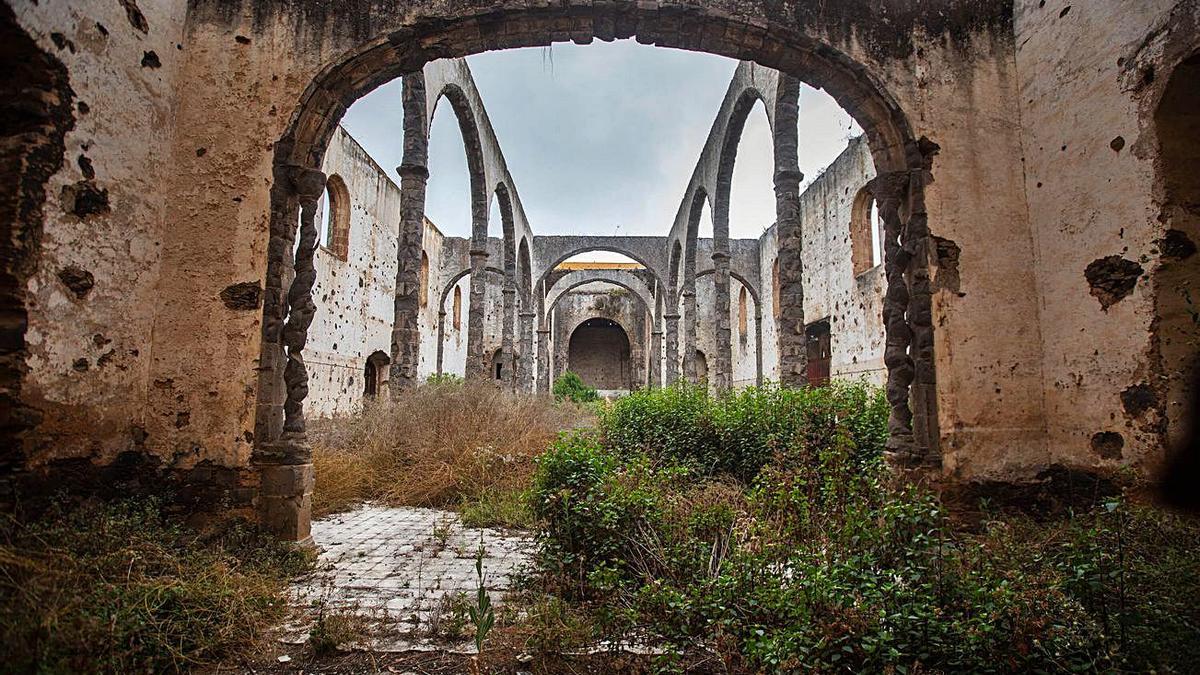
(722, 336)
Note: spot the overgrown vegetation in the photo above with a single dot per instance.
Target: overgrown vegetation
(446, 444)
(119, 588)
(570, 387)
(763, 530)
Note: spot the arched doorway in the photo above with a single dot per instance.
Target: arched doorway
(375, 374)
(599, 354)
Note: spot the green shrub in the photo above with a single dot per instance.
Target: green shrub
(444, 380)
(765, 523)
(118, 588)
(740, 433)
(570, 387)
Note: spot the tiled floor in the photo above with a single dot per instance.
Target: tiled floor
(399, 568)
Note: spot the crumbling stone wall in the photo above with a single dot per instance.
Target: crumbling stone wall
(1089, 77)
(207, 124)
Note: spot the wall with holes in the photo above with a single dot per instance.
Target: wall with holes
(852, 303)
(354, 296)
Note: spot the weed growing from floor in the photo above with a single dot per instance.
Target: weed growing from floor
(120, 588)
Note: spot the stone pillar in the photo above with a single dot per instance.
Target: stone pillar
(285, 463)
(543, 359)
(721, 365)
(758, 345)
(508, 327)
(689, 333)
(672, 320)
(476, 365)
(655, 379)
(793, 344)
(441, 339)
(525, 363)
(406, 336)
(887, 190)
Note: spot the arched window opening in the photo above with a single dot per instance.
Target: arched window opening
(375, 374)
(333, 217)
(1177, 277)
(457, 308)
(423, 280)
(866, 233)
(701, 366)
(742, 319)
(705, 230)
(775, 294)
(752, 182)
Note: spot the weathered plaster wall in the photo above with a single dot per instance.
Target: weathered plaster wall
(354, 296)
(92, 298)
(853, 304)
(1089, 75)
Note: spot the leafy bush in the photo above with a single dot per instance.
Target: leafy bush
(118, 588)
(569, 387)
(743, 431)
(765, 526)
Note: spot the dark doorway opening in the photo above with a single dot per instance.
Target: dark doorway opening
(375, 374)
(820, 352)
(599, 354)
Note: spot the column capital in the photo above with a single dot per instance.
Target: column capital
(413, 171)
(671, 317)
(543, 331)
(719, 256)
(479, 253)
(656, 333)
(308, 184)
(526, 314)
(509, 289)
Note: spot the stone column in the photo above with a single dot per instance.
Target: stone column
(406, 337)
(441, 338)
(543, 359)
(793, 344)
(672, 320)
(887, 190)
(689, 333)
(525, 364)
(758, 345)
(285, 463)
(508, 327)
(476, 365)
(655, 379)
(721, 369)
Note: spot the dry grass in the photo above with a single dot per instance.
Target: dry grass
(440, 445)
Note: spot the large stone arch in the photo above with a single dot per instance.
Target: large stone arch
(758, 319)
(391, 44)
(549, 251)
(450, 286)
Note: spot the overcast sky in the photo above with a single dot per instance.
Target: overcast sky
(601, 139)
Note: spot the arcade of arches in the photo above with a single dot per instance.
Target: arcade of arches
(1010, 254)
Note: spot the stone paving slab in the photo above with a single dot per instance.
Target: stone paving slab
(400, 568)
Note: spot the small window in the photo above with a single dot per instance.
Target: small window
(334, 217)
(423, 280)
(742, 315)
(457, 308)
(866, 233)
